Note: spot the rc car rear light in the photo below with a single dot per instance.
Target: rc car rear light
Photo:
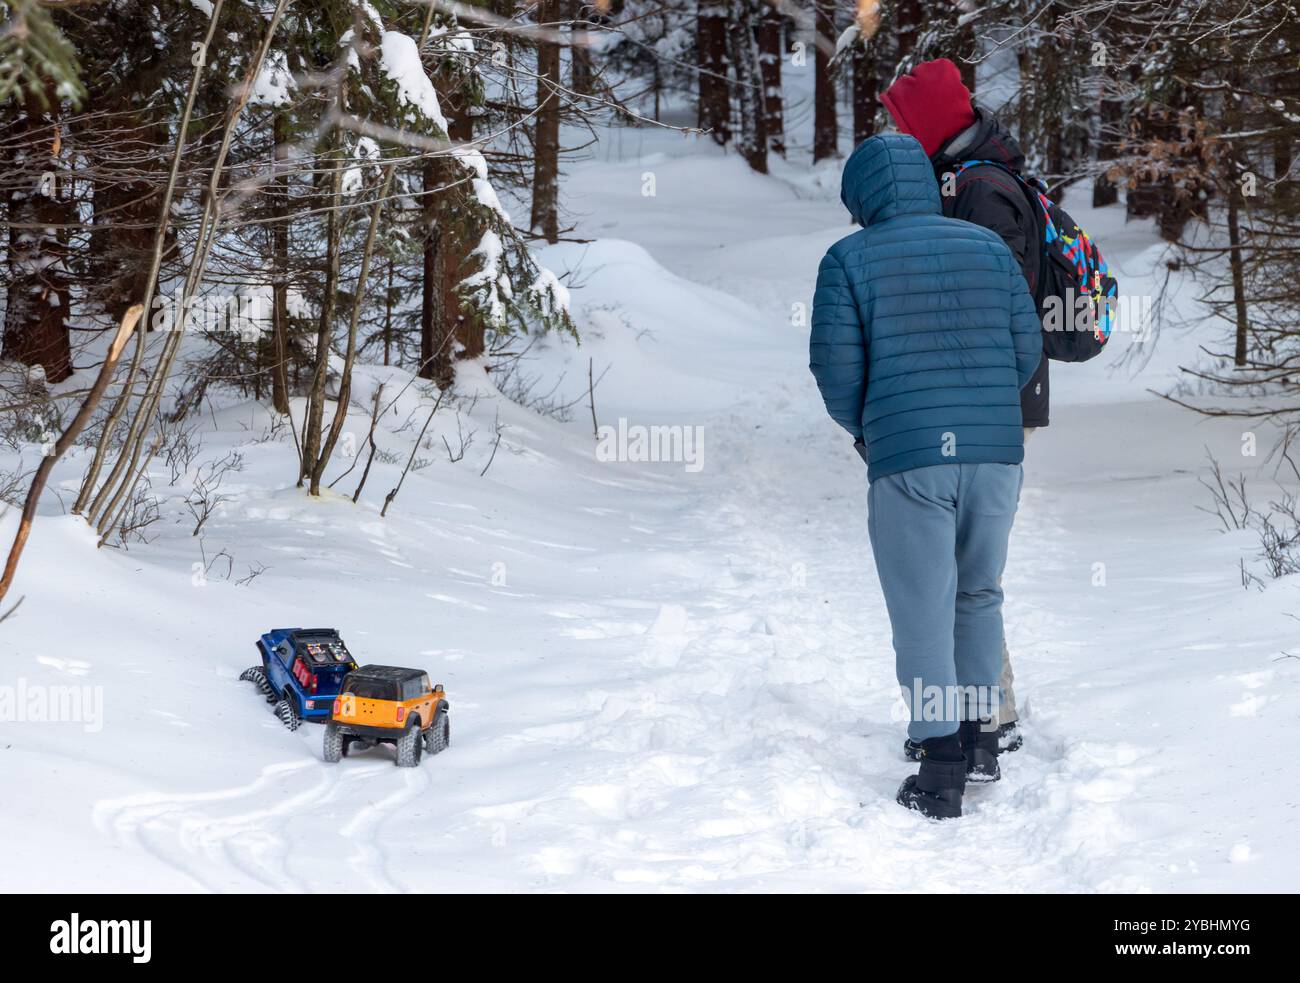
(337, 705)
(401, 714)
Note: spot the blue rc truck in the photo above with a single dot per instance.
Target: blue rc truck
(301, 673)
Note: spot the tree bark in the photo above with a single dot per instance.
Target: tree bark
(1237, 266)
(442, 318)
(35, 327)
(279, 193)
(749, 84)
(313, 426)
(770, 31)
(714, 91)
(581, 71)
(435, 362)
(825, 125)
(546, 144)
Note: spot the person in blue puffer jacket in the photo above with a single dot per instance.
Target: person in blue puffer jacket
(923, 333)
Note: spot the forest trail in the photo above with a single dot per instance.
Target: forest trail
(686, 682)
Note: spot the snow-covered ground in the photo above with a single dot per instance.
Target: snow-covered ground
(664, 677)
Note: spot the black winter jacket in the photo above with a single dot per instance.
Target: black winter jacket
(990, 197)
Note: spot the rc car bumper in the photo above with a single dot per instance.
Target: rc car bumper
(371, 733)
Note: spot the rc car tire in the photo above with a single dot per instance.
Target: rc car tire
(335, 743)
(287, 711)
(410, 745)
(438, 736)
(257, 676)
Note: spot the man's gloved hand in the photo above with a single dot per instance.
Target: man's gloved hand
(861, 447)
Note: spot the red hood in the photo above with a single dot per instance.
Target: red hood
(931, 104)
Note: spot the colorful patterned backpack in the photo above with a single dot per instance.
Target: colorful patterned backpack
(1078, 298)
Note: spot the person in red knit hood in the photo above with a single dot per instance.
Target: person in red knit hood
(932, 104)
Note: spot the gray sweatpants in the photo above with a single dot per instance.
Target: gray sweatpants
(1007, 710)
(939, 536)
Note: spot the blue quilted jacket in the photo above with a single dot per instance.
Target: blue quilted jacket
(923, 330)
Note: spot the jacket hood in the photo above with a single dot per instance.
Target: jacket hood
(887, 176)
(985, 139)
(930, 103)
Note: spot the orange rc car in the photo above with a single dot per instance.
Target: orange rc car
(384, 704)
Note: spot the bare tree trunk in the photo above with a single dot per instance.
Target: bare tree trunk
(428, 295)
(714, 91)
(546, 145)
(825, 125)
(279, 193)
(312, 426)
(749, 84)
(435, 360)
(582, 73)
(1023, 83)
(344, 400)
(388, 313)
(769, 63)
(1238, 280)
(35, 327)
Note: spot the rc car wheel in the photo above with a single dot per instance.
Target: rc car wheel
(438, 737)
(257, 676)
(335, 743)
(410, 745)
(287, 711)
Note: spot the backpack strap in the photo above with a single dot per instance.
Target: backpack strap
(1040, 209)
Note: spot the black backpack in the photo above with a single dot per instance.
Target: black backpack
(1077, 296)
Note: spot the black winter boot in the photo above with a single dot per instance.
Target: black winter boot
(979, 743)
(936, 790)
(1009, 738)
